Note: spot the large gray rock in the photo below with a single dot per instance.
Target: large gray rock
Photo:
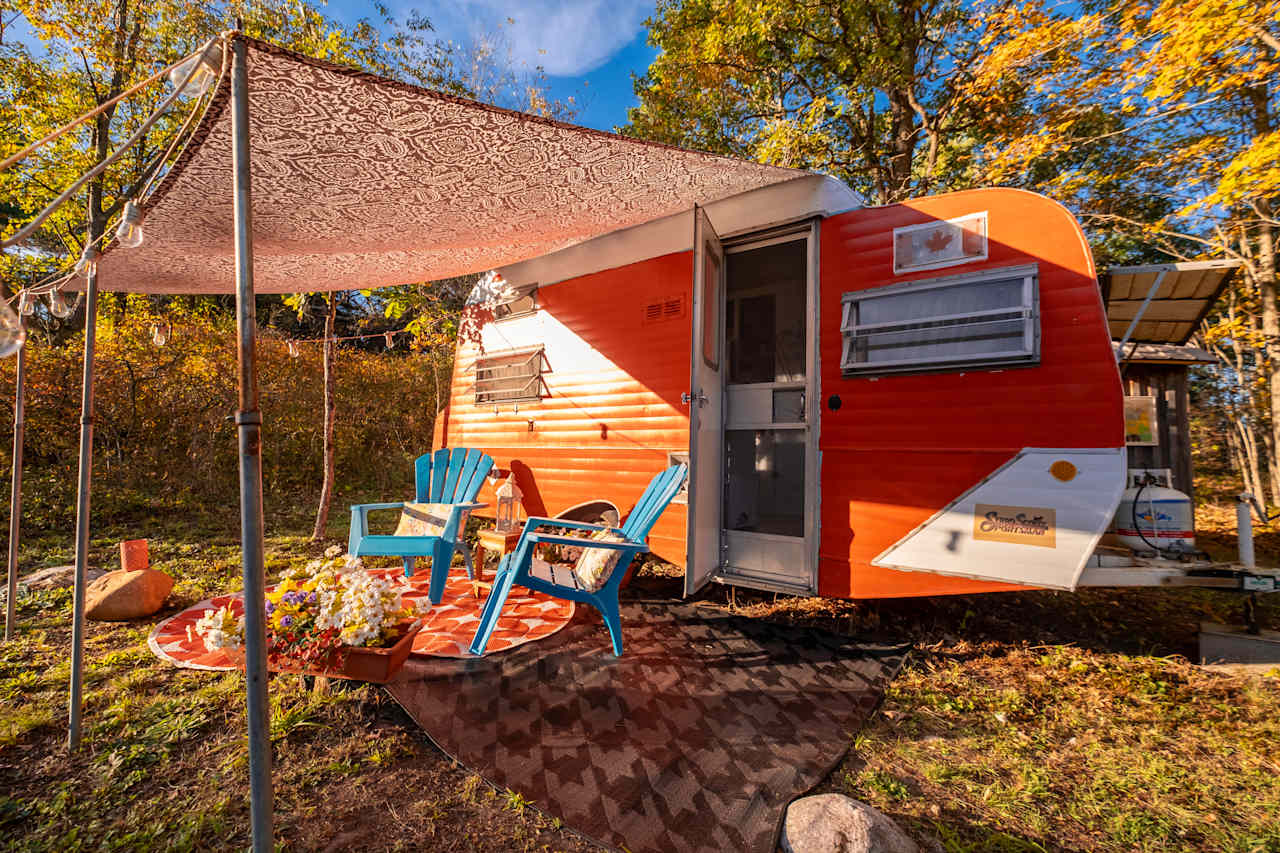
(52, 577)
(834, 823)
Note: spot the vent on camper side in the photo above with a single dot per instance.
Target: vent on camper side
(668, 309)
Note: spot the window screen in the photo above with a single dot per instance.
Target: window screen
(507, 377)
(987, 318)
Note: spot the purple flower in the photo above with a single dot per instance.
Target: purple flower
(286, 620)
(311, 597)
(270, 607)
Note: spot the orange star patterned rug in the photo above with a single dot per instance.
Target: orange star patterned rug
(446, 632)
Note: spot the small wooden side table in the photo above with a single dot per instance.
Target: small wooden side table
(500, 543)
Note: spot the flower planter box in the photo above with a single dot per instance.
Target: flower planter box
(358, 663)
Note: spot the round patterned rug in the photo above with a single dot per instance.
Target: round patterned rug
(447, 630)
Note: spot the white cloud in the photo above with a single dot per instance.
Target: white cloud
(566, 38)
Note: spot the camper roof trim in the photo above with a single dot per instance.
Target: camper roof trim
(755, 210)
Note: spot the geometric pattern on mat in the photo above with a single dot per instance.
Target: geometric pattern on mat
(694, 740)
(447, 628)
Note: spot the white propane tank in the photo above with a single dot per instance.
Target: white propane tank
(1163, 515)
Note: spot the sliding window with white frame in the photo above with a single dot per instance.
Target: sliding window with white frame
(984, 319)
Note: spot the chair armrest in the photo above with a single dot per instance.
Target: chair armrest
(578, 542)
(470, 506)
(367, 507)
(533, 523)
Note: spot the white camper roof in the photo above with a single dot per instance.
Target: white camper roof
(755, 210)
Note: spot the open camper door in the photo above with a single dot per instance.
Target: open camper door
(705, 401)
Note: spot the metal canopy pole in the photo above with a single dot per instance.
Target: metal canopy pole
(86, 476)
(15, 494)
(1142, 309)
(249, 426)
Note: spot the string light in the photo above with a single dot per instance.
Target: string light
(12, 332)
(203, 68)
(129, 233)
(26, 304)
(388, 339)
(60, 307)
(162, 331)
(88, 264)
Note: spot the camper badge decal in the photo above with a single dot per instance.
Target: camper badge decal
(1017, 525)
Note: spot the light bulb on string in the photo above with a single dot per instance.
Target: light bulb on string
(12, 332)
(60, 307)
(160, 333)
(389, 339)
(26, 303)
(207, 63)
(293, 348)
(129, 233)
(88, 264)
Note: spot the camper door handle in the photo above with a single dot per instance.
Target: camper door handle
(686, 398)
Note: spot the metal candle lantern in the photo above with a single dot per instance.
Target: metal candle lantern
(509, 505)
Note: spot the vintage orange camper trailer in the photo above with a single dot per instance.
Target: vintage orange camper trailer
(914, 399)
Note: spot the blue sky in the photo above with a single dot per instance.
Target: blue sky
(589, 48)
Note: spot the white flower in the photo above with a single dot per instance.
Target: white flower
(332, 551)
(220, 630)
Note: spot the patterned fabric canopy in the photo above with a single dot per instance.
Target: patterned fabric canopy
(360, 182)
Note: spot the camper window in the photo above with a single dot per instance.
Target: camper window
(978, 319)
(516, 302)
(510, 376)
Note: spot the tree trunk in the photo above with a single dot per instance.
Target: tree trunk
(330, 406)
(1249, 441)
(1273, 467)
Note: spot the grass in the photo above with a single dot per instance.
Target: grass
(163, 763)
(1022, 722)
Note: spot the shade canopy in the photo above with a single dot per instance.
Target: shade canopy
(1185, 295)
(360, 181)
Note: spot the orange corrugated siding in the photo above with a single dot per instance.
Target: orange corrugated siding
(629, 384)
(902, 447)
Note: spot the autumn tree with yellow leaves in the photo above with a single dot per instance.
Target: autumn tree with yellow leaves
(867, 91)
(1158, 123)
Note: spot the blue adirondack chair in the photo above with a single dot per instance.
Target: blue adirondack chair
(517, 567)
(448, 476)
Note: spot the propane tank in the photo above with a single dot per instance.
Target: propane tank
(1164, 518)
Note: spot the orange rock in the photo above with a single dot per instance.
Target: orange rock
(121, 595)
(133, 554)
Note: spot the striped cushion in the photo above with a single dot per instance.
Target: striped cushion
(425, 519)
(596, 564)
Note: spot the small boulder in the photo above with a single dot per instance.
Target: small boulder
(834, 823)
(121, 595)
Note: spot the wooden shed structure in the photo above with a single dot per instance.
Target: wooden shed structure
(1152, 312)
(1155, 386)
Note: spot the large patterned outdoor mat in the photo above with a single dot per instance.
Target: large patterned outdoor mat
(694, 740)
(447, 632)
